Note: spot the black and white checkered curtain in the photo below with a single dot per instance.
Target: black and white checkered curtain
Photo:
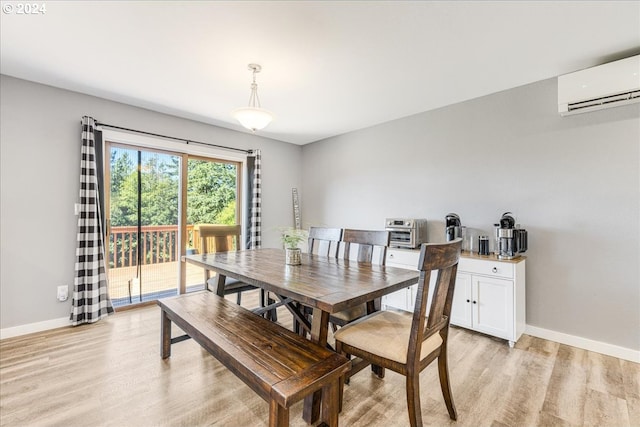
(256, 204)
(90, 297)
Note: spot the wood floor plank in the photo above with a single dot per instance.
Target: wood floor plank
(111, 374)
(604, 410)
(566, 390)
(631, 379)
(605, 375)
(526, 390)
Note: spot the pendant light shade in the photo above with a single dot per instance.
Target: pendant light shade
(253, 117)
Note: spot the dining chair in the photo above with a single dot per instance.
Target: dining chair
(361, 246)
(324, 241)
(222, 238)
(408, 342)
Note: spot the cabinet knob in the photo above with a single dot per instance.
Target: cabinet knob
(494, 269)
(475, 302)
(468, 300)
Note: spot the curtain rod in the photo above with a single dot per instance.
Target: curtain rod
(186, 141)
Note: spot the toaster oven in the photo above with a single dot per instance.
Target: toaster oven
(406, 232)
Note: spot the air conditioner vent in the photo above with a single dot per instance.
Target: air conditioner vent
(610, 85)
(599, 103)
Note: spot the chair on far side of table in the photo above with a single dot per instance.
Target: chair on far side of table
(222, 238)
(408, 342)
(324, 241)
(360, 246)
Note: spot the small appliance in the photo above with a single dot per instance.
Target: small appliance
(511, 240)
(406, 232)
(453, 229)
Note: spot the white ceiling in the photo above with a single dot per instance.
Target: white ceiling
(329, 67)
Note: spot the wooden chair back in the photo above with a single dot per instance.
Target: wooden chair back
(222, 238)
(219, 238)
(443, 259)
(369, 339)
(366, 241)
(324, 241)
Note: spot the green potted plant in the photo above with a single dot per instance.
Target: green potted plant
(291, 239)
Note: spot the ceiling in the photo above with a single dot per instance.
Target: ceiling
(328, 67)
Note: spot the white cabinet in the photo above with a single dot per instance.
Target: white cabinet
(402, 258)
(489, 295)
(404, 299)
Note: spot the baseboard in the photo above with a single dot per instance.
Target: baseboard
(34, 327)
(584, 343)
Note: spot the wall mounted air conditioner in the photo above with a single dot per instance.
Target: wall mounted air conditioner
(609, 85)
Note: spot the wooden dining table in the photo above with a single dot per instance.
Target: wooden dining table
(326, 285)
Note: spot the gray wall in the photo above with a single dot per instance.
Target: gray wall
(572, 182)
(39, 182)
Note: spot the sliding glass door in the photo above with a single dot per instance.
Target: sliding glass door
(146, 212)
(143, 224)
(212, 198)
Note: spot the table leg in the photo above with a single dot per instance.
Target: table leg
(319, 332)
(165, 339)
(378, 370)
(220, 279)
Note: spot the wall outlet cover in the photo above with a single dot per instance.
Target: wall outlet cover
(63, 293)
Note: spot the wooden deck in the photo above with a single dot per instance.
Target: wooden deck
(154, 278)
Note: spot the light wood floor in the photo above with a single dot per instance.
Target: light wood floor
(111, 374)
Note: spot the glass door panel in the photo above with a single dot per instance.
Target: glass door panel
(143, 216)
(212, 198)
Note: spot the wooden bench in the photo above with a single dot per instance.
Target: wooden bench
(280, 366)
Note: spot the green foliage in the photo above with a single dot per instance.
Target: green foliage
(291, 237)
(211, 192)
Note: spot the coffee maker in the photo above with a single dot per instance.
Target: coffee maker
(453, 230)
(510, 241)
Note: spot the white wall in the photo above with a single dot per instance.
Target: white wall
(39, 182)
(572, 182)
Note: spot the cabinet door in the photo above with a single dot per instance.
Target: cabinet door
(461, 306)
(403, 299)
(492, 305)
(398, 299)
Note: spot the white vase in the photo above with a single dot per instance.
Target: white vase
(293, 256)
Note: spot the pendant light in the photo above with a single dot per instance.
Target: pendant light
(253, 117)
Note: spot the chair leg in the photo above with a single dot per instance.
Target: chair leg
(274, 314)
(378, 370)
(413, 399)
(443, 373)
(264, 302)
(239, 298)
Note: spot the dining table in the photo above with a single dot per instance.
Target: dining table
(326, 285)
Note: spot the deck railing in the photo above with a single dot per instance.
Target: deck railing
(158, 244)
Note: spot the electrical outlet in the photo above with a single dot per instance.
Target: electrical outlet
(63, 293)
